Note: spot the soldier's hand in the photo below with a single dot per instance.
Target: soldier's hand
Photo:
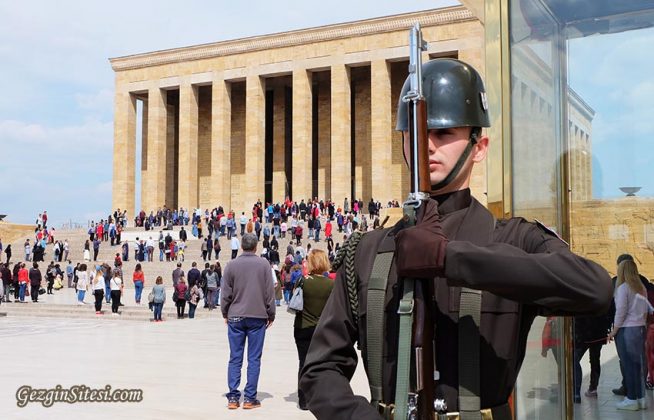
(420, 249)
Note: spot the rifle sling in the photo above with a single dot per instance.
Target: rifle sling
(469, 343)
(375, 323)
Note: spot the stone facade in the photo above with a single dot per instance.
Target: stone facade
(308, 112)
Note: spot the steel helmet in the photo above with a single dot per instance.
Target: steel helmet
(454, 94)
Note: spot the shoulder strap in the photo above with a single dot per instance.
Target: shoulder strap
(469, 343)
(470, 340)
(375, 322)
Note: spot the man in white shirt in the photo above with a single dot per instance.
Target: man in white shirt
(235, 245)
(243, 221)
(149, 247)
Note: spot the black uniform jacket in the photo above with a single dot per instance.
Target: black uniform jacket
(523, 271)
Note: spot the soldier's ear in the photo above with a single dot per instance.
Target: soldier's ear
(481, 149)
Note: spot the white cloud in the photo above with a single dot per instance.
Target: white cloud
(82, 137)
(98, 101)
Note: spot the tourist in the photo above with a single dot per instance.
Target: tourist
(98, 289)
(177, 274)
(158, 298)
(248, 307)
(8, 254)
(82, 283)
(195, 296)
(316, 289)
(180, 293)
(116, 285)
(212, 287)
(235, 244)
(139, 281)
(631, 308)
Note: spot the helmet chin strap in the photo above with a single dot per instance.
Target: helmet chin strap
(459, 163)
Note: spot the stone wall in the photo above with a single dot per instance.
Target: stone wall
(603, 229)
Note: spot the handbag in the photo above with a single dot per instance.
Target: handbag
(151, 297)
(296, 304)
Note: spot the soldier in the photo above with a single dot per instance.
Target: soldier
(517, 269)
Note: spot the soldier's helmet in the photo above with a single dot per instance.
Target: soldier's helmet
(454, 94)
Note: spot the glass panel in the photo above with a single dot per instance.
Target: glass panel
(612, 188)
(535, 142)
(581, 78)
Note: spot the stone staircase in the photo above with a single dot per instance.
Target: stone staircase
(76, 239)
(129, 313)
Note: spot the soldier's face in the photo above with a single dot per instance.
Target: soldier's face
(446, 145)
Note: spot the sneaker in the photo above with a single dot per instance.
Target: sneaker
(250, 404)
(591, 393)
(232, 404)
(619, 391)
(98, 313)
(627, 404)
(642, 403)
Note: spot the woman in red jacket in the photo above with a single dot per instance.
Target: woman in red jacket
(139, 281)
(180, 292)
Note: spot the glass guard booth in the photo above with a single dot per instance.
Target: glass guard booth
(571, 84)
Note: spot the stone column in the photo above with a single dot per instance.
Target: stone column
(341, 134)
(145, 190)
(221, 128)
(279, 150)
(154, 186)
(254, 143)
(324, 141)
(302, 144)
(123, 193)
(188, 147)
(382, 131)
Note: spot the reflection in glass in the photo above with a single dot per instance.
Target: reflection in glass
(582, 117)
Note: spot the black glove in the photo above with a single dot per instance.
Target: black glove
(420, 249)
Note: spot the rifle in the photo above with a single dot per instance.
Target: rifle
(418, 400)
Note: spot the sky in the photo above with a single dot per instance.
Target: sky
(56, 89)
(56, 83)
(613, 74)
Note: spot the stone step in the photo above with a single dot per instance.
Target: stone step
(134, 313)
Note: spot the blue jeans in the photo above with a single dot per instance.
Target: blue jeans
(191, 310)
(107, 292)
(287, 295)
(80, 295)
(21, 292)
(254, 329)
(138, 289)
(157, 311)
(631, 345)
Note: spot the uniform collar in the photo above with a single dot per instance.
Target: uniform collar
(451, 202)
